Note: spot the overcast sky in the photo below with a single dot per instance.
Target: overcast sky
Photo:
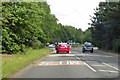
(74, 12)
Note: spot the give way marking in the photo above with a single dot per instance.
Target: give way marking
(58, 63)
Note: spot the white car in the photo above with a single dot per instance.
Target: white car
(51, 45)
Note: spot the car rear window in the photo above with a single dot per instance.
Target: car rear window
(88, 45)
(63, 44)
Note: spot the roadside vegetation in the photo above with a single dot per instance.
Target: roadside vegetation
(28, 26)
(105, 27)
(12, 63)
(31, 24)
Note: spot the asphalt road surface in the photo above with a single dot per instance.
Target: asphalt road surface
(73, 65)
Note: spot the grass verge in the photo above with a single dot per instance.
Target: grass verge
(17, 61)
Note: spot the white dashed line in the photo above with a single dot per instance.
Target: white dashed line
(42, 62)
(88, 61)
(110, 66)
(87, 65)
(107, 56)
(108, 71)
(60, 62)
(77, 63)
(67, 62)
(99, 65)
(90, 67)
(71, 62)
(77, 57)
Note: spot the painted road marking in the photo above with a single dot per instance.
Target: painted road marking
(71, 62)
(90, 67)
(57, 63)
(110, 66)
(42, 62)
(107, 56)
(87, 65)
(60, 62)
(99, 65)
(55, 55)
(92, 55)
(67, 62)
(108, 71)
(89, 61)
(77, 57)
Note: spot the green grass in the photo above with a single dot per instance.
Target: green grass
(18, 61)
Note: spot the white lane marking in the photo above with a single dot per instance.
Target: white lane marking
(107, 56)
(60, 62)
(71, 62)
(87, 65)
(108, 71)
(50, 63)
(47, 64)
(92, 55)
(77, 62)
(77, 57)
(110, 66)
(88, 61)
(42, 62)
(99, 65)
(90, 67)
(67, 62)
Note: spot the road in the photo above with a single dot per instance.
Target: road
(73, 65)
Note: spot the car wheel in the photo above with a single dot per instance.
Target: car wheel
(91, 51)
(83, 51)
(67, 51)
(57, 51)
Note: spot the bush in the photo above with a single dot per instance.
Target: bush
(37, 44)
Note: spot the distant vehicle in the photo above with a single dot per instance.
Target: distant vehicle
(69, 46)
(47, 44)
(62, 47)
(51, 45)
(69, 42)
(56, 43)
(87, 47)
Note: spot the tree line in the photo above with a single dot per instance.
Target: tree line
(31, 24)
(105, 27)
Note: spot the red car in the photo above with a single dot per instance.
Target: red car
(62, 47)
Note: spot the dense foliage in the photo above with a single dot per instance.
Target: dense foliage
(87, 35)
(31, 24)
(106, 26)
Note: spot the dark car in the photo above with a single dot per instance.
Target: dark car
(87, 47)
